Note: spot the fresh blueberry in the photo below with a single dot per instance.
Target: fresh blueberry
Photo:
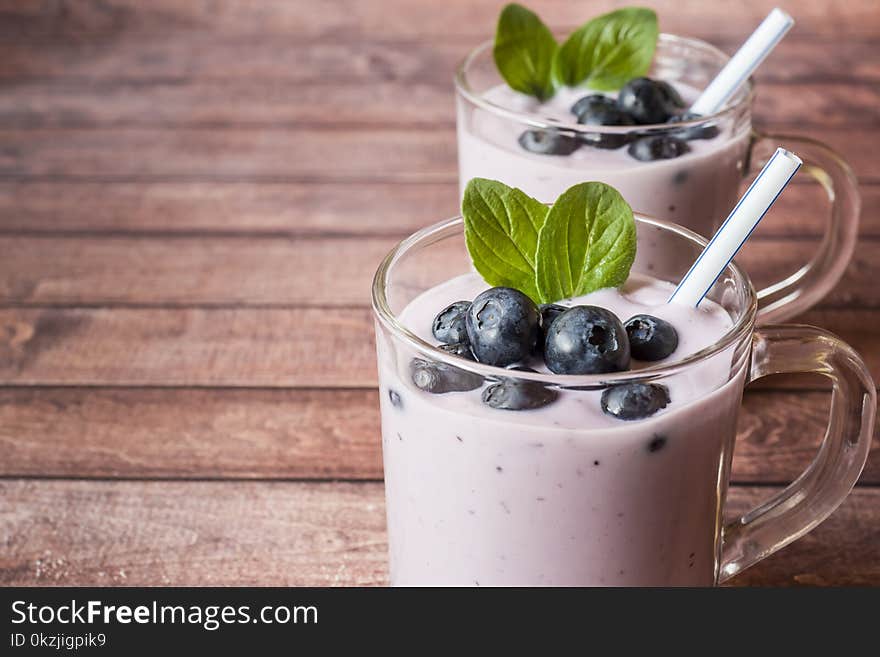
(634, 401)
(449, 324)
(439, 378)
(518, 395)
(502, 326)
(657, 443)
(591, 103)
(705, 131)
(650, 338)
(395, 398)
(549, 312)
(586, 340)
(649, 101)
(658, 147)
(549, 142)
(601, 115)
(460, 349)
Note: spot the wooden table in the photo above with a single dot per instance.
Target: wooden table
(193, 199)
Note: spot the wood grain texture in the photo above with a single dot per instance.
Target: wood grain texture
(310, 347)
(173, 104)
(252, 347)
(312, 209)
(301, 434)
(287, 534)
(198, 533)
(185, 185)
(263, 271)
(202, 433)
(139, 64)
(285, 155)
(335, 19)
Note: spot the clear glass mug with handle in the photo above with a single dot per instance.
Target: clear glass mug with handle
(483, 496)
(696, 190)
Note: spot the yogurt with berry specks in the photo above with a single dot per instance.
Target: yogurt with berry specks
(565, 494)
(696, 189)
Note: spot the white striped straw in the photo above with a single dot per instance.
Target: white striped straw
(743, 63)
(735, 230)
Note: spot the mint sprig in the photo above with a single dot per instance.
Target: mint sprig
(524, 52)
(501, 227)
(585, 242)
(604, 53)
(608, 51)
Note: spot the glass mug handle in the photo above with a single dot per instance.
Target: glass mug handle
(802, 289)
(826, 482)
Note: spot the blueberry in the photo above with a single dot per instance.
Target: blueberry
(705, 131)
(650, 338)
(518, 395)
(600, 115)
(658, 147)
(549, 142)
(502, 326)
(657, 443)
(460, 349)
(394, 396)
(549, 312)
(592, 102)
(634, 401)
(649, 101)
(439, 378)
(449, 324)
(586, 340)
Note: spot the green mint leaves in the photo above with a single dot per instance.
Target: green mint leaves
(501, 227)
(585, 242)
(608, 51)
(604, 53)
(524, 52)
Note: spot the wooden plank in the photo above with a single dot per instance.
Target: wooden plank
(213, 103)
(191, 270)
(327, 271)
(310, 347)
(201, 433)
(840, 552)
(301, 434)
(232, 154)
(253, 347)
(280, 62)
(79, 533)
(280, 155)
(116, 533)
(303, 209)
(346, 18)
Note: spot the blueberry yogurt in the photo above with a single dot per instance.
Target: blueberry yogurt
(689, 175)
(510, 481)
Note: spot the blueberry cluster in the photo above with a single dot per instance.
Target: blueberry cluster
(503, 327)
(641, 101)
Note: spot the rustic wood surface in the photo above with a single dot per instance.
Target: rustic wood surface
(193, 198)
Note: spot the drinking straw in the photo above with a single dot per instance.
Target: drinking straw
(735, 230)
(743, 63)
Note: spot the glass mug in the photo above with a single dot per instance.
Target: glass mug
(482, 496)
(696, 190)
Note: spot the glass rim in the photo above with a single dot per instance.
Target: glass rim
(742, 98)
(388, 318)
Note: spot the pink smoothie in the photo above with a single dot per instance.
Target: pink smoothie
(696, 190)
(561, 495)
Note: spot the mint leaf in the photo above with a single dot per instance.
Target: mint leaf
(587, 242)
(501, 226)
(523, 52)
(608, 51)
